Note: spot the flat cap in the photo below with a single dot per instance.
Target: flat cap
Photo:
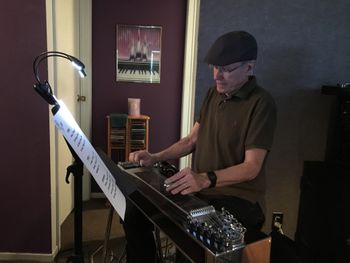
(232, 47)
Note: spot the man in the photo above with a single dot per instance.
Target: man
(230, 139)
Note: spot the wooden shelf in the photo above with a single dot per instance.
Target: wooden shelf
(130, 134)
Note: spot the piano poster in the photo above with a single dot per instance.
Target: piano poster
(138, 53)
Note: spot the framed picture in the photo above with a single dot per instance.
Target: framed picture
(138, 53)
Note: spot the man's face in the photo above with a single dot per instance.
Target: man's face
(230, 78)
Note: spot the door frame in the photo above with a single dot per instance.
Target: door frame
(85, 89)
(189, 74)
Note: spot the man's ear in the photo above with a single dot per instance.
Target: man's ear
(251, 66)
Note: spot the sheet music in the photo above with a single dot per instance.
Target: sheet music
(71, 131)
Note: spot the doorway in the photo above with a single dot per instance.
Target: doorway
(68, 31)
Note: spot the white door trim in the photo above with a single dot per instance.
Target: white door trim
(85, 86)
(189, 74)
(55, 229)
(85, 55)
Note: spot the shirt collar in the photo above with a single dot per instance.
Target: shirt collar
(243, 92)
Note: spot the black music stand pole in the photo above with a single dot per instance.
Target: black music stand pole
(77, 169)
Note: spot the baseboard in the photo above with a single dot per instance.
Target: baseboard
(28, 256)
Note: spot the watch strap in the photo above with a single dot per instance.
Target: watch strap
(212, 178)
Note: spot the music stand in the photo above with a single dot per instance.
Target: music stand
(45, 91)
(81, 150)
(115, 183)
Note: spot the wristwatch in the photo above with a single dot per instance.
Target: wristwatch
(212, 178)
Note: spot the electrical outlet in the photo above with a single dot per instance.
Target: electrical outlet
(277, 221)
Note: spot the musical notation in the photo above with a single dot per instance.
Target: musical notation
(71, 131)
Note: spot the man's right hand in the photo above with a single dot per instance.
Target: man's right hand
(143, 157)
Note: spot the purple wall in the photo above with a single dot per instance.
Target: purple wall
(25, 221)
(162, 102)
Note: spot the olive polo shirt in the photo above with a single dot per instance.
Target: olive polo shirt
(229, 125)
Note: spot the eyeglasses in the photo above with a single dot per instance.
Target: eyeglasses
(225, 69)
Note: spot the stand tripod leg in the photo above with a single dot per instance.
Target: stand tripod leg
(158, 245)
(107, 234)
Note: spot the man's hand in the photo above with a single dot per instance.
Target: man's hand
(186, 181)
(143, 157)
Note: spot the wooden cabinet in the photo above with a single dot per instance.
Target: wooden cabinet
(125, 134)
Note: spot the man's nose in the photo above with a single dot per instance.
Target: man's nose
(217, 74)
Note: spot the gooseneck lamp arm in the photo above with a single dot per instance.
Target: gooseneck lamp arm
(43, 88)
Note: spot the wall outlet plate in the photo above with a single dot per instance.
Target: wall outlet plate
(277, 221)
